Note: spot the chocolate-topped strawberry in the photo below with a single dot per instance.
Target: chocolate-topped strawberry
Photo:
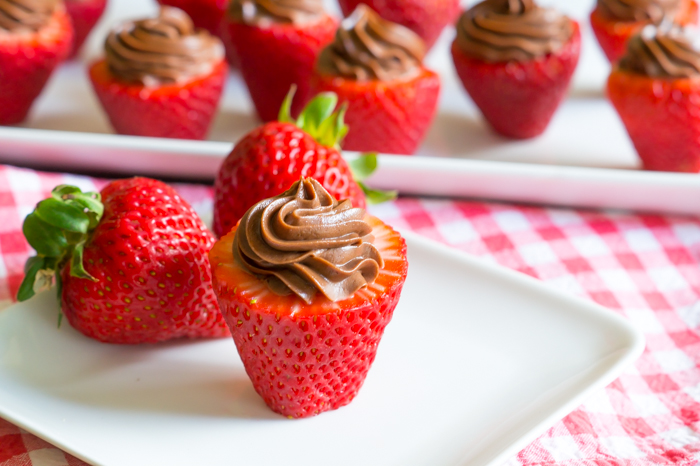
(272, 157)
(376, 67)
(35, 37)
(655, 89)
(614, 22)
(84, 14)
(427, 18)
(160, 77)
(130, 263)
(276, 43)
(206, 14)
(516, 59)
(307, 285)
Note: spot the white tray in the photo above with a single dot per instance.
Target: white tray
(584, 158)
(458, 382)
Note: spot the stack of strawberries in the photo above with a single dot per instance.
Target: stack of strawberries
(132, 264)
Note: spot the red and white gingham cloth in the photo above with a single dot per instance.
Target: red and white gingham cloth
(645, 267)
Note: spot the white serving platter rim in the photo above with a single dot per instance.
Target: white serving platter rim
(558, 185)
(511, 434)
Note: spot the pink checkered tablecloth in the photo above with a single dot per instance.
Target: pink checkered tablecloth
(644, 267)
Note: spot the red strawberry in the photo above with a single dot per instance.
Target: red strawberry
(272, 157)
(26, 63)
(662, 118)
(182, 111)
(427, 18)
(137, 274)
(275, 57)
(390, 117)
(206, 14)
(375, 67)
(305, 359)
(519, 99)
(84, 14)
(613, 35)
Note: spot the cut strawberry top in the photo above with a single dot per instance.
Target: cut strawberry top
(231, 279)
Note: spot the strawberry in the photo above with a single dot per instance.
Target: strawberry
(130, 268)
(206, 14)
(662, 118)
(304, 359)
(376, 68)
(427, 18)
(26, 63)
(390, 117)
(84, 14)
(612, 35)
(272, 157)
(274, 57)
(182, 111)
(519, 99)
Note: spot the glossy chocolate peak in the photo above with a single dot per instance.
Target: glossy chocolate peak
(162, 50)
(662, 54)
(266, 12)
(367, 47)
(653, 11)
(304, 241)
(25, 15)
(505, 30)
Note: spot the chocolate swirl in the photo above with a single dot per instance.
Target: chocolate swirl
(26, 15)
(265, 12)
(162, 50)
(661, 55)
(367, 47)
(505, 30)
(653, 11)
(304, 241)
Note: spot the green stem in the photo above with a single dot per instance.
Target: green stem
(58, 230)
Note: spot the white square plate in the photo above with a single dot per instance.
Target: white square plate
(477, 362)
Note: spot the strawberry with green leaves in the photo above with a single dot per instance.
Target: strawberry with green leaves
(268, 160)
(130, 264)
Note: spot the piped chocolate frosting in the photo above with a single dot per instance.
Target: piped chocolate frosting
(505, 30)
(368, 47)
(162, 50)
(26, 15)
(653, 11)
(304, 241)
(657, 54)
(265, 12)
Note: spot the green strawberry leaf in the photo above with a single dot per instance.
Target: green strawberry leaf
(91, 204)
(319, 118)
(32, 268)
(63, 189)
(46, 239)
(63, 215)
(375, 196)
(363, 166)
(285, 115)
(76, 263)
(58, 229)
(316, 113)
